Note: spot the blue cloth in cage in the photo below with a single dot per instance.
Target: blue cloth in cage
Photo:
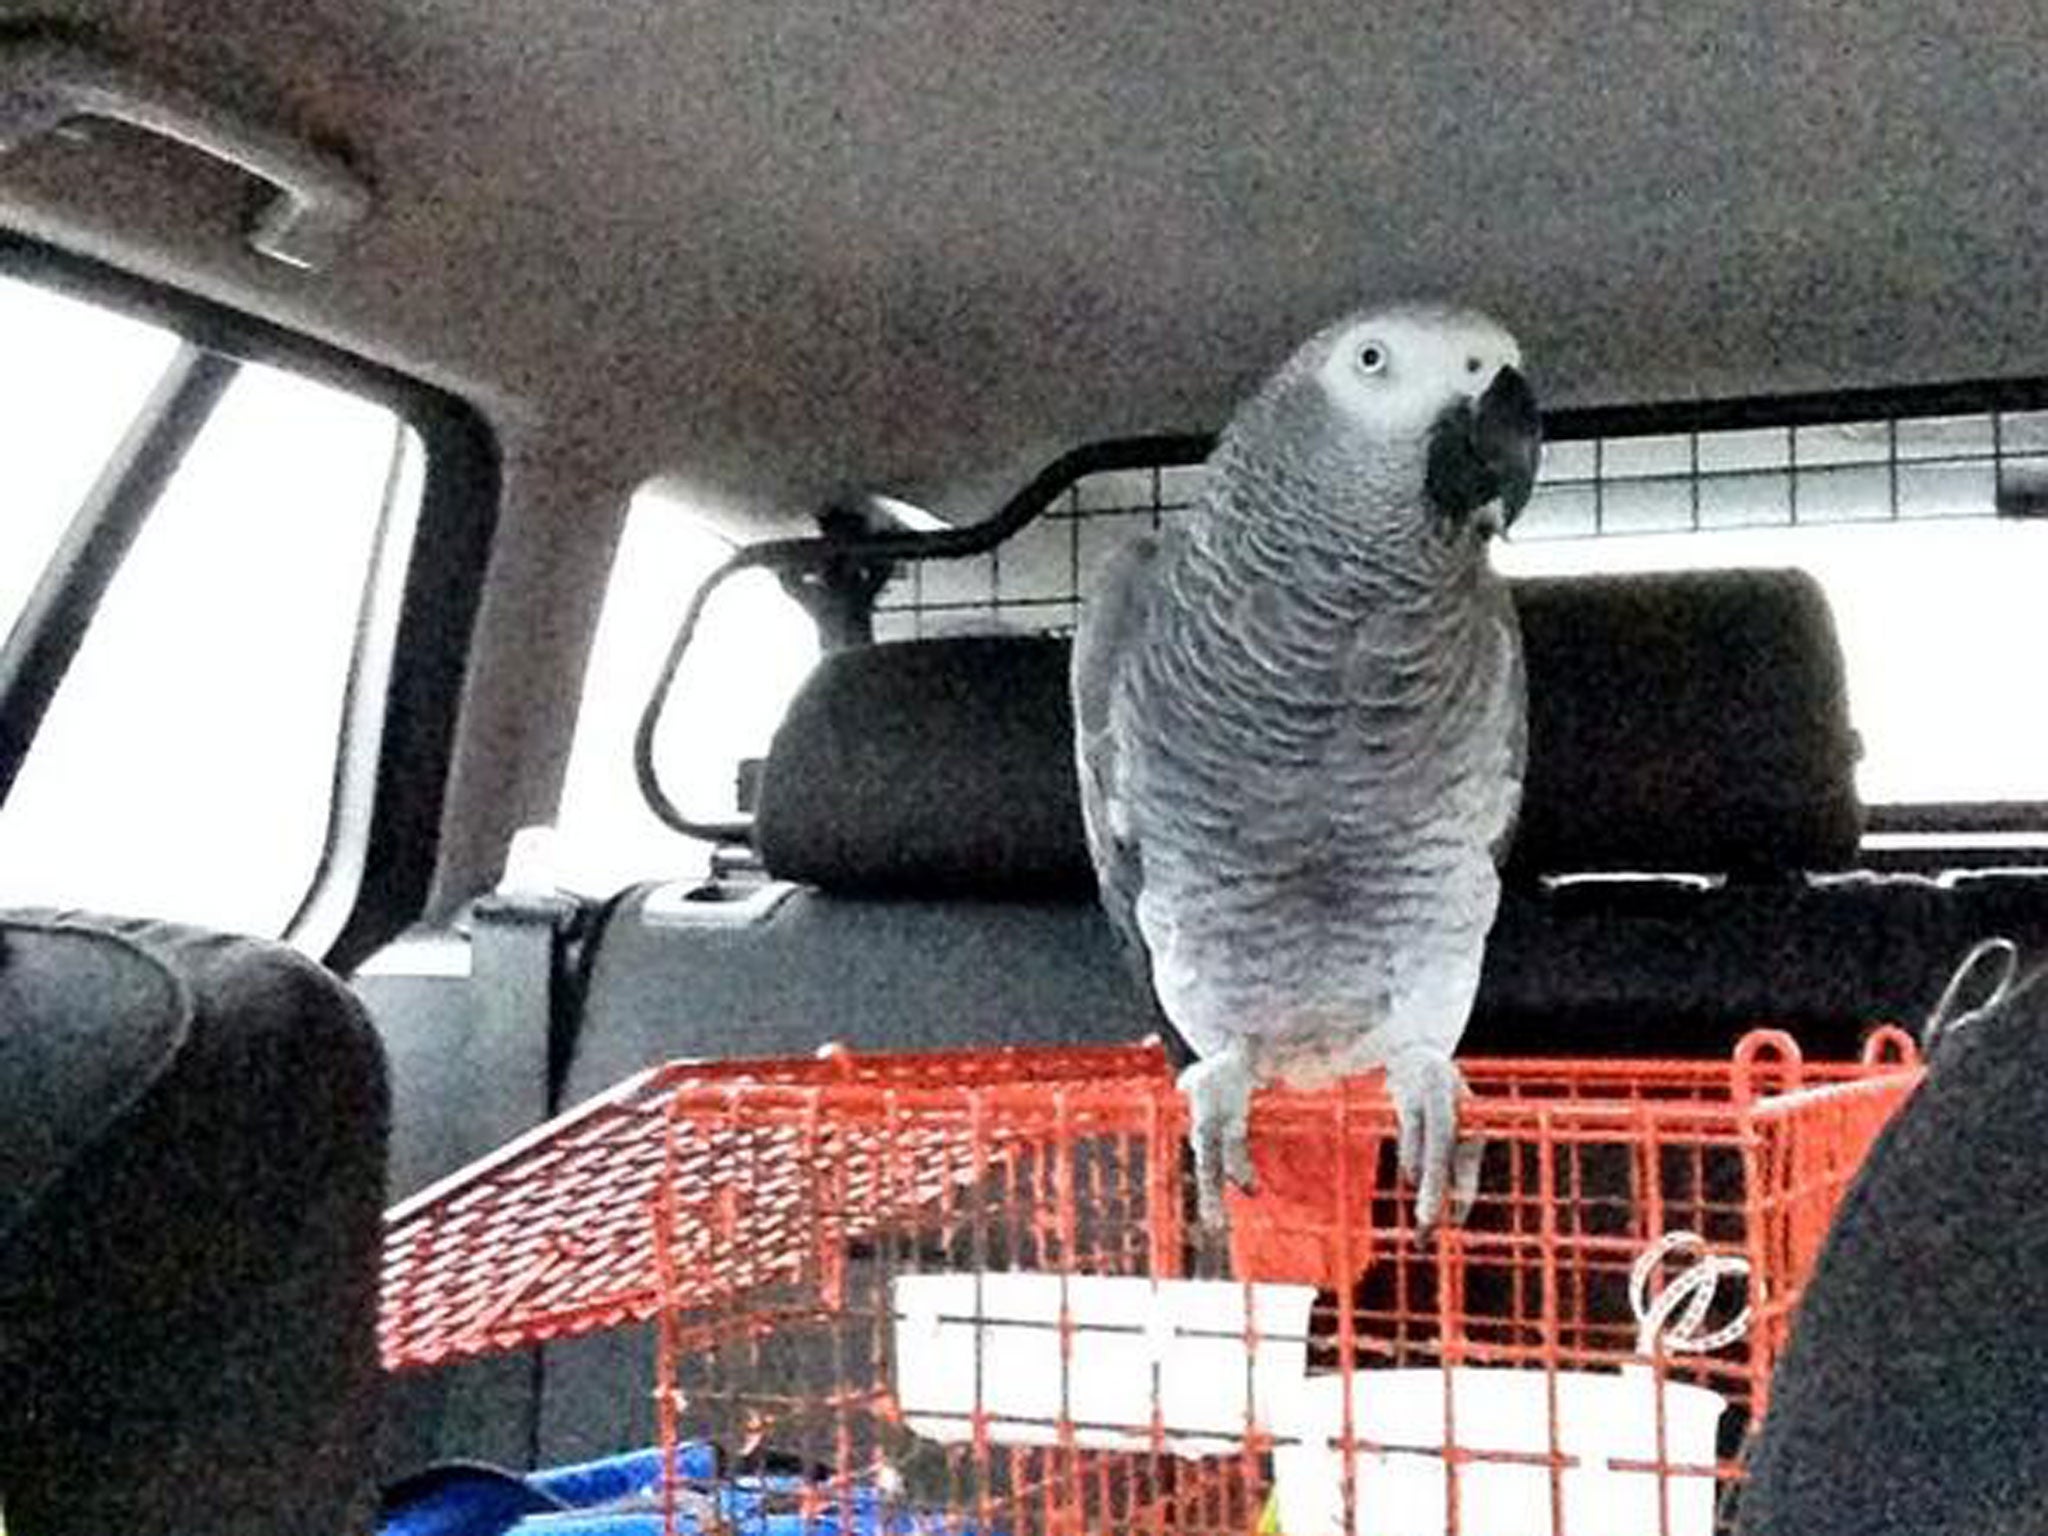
(622, 1496)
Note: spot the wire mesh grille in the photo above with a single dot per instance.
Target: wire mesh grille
(1894, 468)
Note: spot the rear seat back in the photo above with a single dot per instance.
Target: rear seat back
(1690, 746)
(919, 817)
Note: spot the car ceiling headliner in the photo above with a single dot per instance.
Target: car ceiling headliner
(771, 247)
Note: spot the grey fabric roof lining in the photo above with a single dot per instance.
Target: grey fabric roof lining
(772, 248)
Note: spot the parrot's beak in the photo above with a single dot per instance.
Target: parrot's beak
(1486, 451)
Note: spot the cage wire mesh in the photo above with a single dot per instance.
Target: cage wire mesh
(1883, 469)
(965, 1293)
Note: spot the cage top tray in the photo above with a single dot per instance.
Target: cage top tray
(551, 1235)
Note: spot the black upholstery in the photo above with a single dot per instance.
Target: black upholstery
(934, 768)
(677, 978)
(188, 1283)
(2013, 902)
(454, 1098)
(1910, 1402)
(1628, 968)
(1028, 972)
(1693, 722)
(65, 1077)
(1662, 968)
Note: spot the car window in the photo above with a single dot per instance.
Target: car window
(186, 766)
(1924, 532)
(752, 650)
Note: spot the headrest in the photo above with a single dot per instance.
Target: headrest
(1689, 722)
(929, 767)
(1695, 722)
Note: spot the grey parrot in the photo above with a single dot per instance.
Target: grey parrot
(1300, 725)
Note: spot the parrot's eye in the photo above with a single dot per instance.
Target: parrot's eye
(1372, 357)
(1471, 365)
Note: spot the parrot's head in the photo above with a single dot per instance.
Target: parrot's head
(1439, 391)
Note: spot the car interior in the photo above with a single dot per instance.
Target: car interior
(542, 540)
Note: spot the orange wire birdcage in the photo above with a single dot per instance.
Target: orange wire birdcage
(965, 1291)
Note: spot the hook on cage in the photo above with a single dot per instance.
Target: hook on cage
(1888, 1045)
(1674, 1319)
(1766, 1061)
(1997, 956)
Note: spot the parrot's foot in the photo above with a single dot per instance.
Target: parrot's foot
(1219, 1091)
(1425, 1086)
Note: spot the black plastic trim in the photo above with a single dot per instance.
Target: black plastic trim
(1959, 818)
(1816, 408)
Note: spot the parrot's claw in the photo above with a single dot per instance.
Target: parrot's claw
(1425, 1087)
(1219, 1093)
(1470, 1152)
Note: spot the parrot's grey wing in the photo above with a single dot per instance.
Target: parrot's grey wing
(1517, 684)
(1115, 617)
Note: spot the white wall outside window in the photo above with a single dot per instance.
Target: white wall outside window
(752, 650)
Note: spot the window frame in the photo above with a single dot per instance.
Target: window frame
(414, 625)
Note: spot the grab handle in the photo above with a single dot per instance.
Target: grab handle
(46, 82)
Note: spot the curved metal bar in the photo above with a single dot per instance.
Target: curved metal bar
(1040, 492)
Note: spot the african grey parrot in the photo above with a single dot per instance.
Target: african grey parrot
(1300, 725)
